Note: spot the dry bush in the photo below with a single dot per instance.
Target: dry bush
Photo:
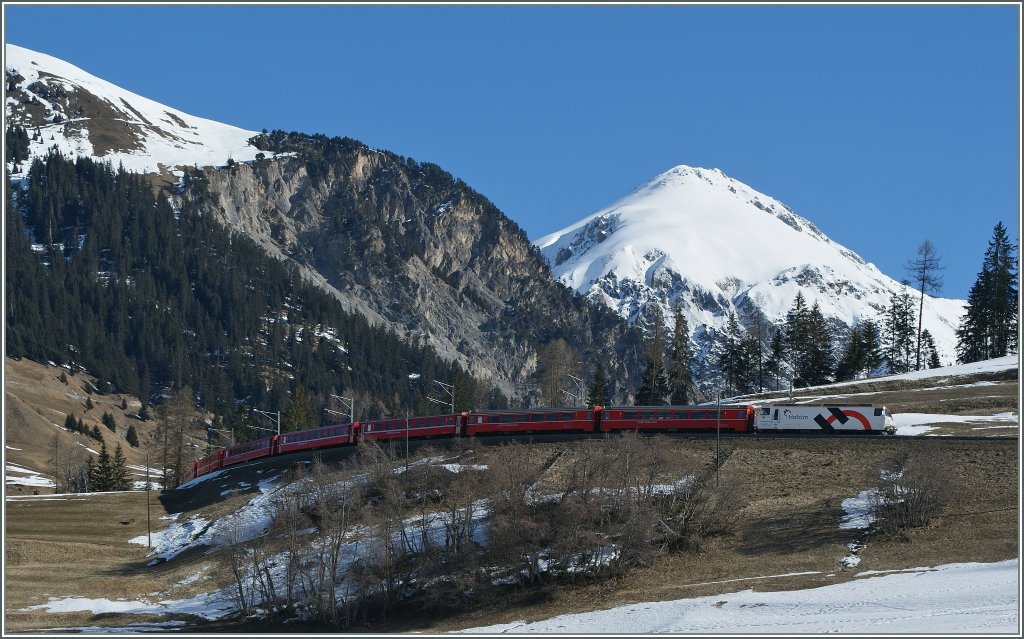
(911, 490)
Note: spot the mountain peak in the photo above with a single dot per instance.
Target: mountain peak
(63, 106)
(717, 246)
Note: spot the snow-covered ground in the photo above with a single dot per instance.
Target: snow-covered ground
(922, 423)
(25, 476)
(954, 598)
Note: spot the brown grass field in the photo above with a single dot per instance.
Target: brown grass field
(791, 495)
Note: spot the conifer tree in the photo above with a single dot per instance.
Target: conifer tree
(299, 414)
(132, 436)
(817, 367)
(102, 478)
(597, 391)
(871, 345)
(680, 374)
(119, 470)
(796, 336)
(851, 362)
(654, 384)
(929, 352)
(989, 326)
(776, 356)
(899, 330)
(734, 360)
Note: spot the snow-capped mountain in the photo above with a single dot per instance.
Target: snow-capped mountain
(716, 245)
(60, 105)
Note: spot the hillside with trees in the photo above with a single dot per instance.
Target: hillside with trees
(105, 276)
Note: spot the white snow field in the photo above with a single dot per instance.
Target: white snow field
(949, 599)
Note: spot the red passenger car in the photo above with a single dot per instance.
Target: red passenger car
(541, 420)
(419, 427)
(339, 435)
(249, 450)
(677, 418)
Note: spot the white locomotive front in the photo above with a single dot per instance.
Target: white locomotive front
(845, 419)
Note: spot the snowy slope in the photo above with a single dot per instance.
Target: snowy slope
(943, 600)
(61, 105)
(717, 245)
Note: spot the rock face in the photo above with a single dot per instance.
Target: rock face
(407, 245)
(717, 246)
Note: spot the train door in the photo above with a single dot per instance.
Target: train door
(597, 419)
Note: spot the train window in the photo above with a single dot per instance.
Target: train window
(565, 417)
(590, 414)
(712, 414)
(493, 419)
(697, 414)
(508, 418)
(878, 412)
(766, 411)
(629, 415)
(683, 414)
(552, 417)
(776, 414)
(536, 417)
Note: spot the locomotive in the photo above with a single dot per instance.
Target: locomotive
(738, 418)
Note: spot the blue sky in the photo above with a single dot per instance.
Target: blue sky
(885, 125)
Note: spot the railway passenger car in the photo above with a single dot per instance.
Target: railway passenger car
(448, 425)
(337, 435)
(828, 419)
(249, 450)
(677, 418)
(538, 420)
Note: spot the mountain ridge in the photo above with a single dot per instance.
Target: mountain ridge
(62, 105)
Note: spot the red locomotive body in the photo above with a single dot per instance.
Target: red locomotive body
(541, 420)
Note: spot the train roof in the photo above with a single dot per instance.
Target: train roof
(816, 405)
(675, 407)
(391, 419)
(537, 410)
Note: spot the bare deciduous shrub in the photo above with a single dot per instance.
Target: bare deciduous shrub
(911, 490)
(443, 530)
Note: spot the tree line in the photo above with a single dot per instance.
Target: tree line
(804, 350)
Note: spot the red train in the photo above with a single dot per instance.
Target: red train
(483, 423)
